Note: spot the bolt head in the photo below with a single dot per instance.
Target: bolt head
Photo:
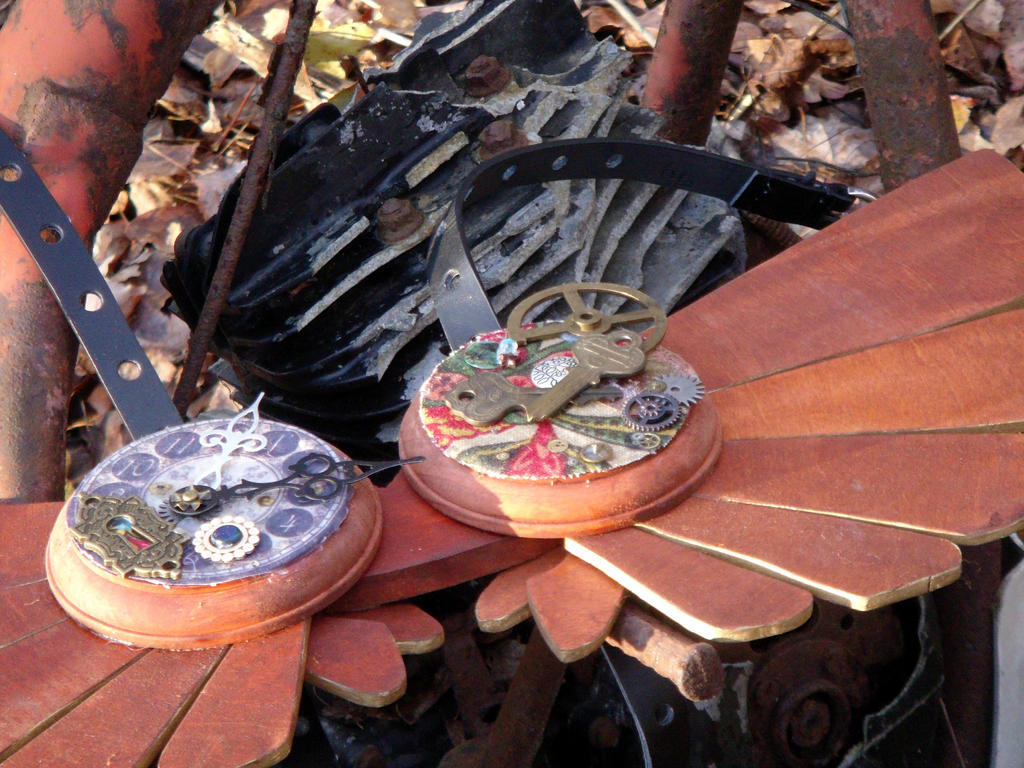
(485, 76)
(397, 219)
(810, 724)
(501, 136)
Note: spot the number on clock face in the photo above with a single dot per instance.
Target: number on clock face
(155, 466)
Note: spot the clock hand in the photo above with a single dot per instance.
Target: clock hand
(311, 478)
(230, 439)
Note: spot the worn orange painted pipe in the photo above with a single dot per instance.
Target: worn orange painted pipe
(77, 80)
(685, 77)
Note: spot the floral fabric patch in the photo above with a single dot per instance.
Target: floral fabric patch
(617, 422)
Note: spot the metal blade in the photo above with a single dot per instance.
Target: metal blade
(460, 301)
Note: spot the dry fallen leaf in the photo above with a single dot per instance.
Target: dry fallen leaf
(775, 62)
(745, 31)
(984, 18)
(971, 139)
(212, 180)
(1011, 35)
(961, 110)
(765, 7)
(961, 53)
(833, 140)
(328, 44)
(163, 159)
(398, 15)
(1008, 131)
(818, 87)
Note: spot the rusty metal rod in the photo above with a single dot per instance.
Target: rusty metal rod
(685, 77)
(280, 83)
(905, 86)
(76, 85)
(908, 100)
(516, 735)
(693, 666)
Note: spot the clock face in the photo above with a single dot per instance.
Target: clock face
(282, 523)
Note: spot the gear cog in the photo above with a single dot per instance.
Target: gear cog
(687, 389)
(651, 411)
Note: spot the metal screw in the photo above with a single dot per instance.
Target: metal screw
(397, 219)
(485, 76)
(501, 136)
(594, 453)
(810, 724)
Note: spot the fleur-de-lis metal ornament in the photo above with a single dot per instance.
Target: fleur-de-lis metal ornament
(239, 434)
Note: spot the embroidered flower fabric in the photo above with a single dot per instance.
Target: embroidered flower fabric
(552, 449)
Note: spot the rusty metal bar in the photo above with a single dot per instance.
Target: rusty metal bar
(279, 86)
(907, 95)
(685, 78)
(516, 735)
(475, 692)
(78, 115)
(908, 100)
(693, 666)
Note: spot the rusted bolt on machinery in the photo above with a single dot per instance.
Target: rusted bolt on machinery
(501, 136)
(397, 219)
(485, 76)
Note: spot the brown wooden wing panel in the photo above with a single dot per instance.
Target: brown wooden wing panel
(575, 606)
(896, 268)
(49, 673)
(856, 564)
(24, 529)
(705, 595)
(245, 715)
(127, 721)
(421, 551)
(355, 659)
(503, 603)
(969, 376)
(966, 487)
(414, 630)
(27, 609)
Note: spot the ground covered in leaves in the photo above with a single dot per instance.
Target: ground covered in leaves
(792, 98)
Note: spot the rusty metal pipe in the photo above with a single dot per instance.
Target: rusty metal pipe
(905, 86)
(685, 78)
(77, 82)
(908, 100)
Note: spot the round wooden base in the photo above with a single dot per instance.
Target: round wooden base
(574, 507)
(181, 617)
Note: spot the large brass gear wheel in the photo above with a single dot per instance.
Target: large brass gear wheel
(586, 319)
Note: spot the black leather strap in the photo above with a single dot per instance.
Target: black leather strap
(775, 194)
(459, 298)
(83, 295)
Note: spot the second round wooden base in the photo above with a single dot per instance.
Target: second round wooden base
(574, 507)
(181, 617)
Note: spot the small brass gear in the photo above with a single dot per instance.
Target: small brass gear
(193, 501)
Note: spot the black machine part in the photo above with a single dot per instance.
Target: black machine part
(331, 314)
(460, 300)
